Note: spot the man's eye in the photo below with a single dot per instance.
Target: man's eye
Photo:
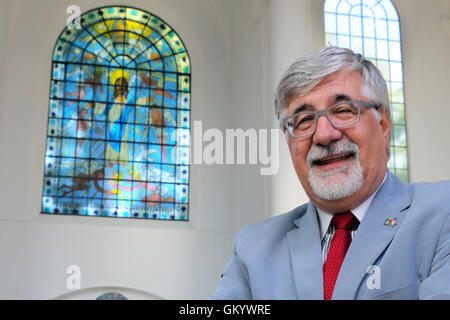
(343, 110)
(304, 120)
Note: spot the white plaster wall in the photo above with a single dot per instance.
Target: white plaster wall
(3, 37)
(425, 27)
(249, 82)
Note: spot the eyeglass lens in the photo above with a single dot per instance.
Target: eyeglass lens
(340, 115)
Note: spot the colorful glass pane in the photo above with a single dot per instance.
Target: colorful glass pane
(372, 28)
(119, 118)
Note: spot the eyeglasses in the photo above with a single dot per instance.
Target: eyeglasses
(341, 115)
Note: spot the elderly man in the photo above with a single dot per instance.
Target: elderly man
(364, 234)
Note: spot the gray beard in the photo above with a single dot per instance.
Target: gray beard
(322, 182)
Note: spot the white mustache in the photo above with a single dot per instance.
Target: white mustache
(342, 146)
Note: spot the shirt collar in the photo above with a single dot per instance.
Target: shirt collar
(359, 212)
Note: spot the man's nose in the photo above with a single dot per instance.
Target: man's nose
(325, 132)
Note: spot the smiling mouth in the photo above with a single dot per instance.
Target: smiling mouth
(333, 158)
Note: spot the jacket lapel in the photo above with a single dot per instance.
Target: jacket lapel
(373, 236)
(306, 256)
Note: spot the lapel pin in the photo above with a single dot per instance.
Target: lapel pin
(390, 222)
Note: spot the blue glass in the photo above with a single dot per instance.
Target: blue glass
(119, 86)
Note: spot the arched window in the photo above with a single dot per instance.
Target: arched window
(119, 118)
(372, 28)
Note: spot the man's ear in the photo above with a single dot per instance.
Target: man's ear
(386, 124)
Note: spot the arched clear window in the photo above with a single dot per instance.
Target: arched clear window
(119, 118)
(372, 28)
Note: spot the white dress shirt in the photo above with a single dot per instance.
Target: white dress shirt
(327, 229)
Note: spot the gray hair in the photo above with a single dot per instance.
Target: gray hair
(308, 71)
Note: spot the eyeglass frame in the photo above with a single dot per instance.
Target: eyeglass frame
(324, 112)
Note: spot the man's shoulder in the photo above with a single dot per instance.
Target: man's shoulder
(430, 204)
(429, 186)
(274, 227)
(431, 193)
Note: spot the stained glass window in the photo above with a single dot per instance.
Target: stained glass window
(118, 140)
(372, 28)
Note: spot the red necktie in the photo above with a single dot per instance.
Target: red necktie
(339, 246)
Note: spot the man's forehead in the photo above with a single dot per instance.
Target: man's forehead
(340, 78)
(309, 103)
(332, 87)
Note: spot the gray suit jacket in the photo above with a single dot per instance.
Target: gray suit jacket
(281, 258)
